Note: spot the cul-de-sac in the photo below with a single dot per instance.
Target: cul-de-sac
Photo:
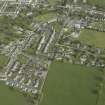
(52, 52)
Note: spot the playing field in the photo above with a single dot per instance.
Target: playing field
(68, 84)
(94, 38)
(11, 97)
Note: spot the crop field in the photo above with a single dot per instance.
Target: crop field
(11, 96)
(68, 84)
(94, 38)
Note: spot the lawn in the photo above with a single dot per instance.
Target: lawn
(11, 97)
(68, 84)
(94, 38)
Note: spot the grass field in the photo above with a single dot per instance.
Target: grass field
(102, 97)
(7, 31)
(54, 1)
(46, 17)
(100, 3)
(94, 38)
(22, 59)
(68, 84)
(11, 97)
(3, 61)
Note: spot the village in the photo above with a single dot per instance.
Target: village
(27, 70)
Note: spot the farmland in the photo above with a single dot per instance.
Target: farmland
(68, 84)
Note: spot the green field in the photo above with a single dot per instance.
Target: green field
(22, 59)
(99, 3)
(102, 97)
(54, 1)
(3, 61)
(7, 31)
(10, 96)
(68, 84)
(46, 17)
(94, 38)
